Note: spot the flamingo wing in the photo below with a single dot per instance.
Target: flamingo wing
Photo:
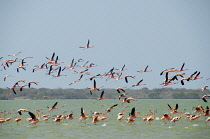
(55, 104)
(32, 115)
(133, 111)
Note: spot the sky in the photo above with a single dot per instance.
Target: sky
(162, 34)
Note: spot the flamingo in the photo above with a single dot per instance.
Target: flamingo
(191, 76)
(2, 121)
(16, 54)
(57, 119)
(120, 89)
(196, 76)
(22, 65)
(110, 108)
(194, 117)
(152, 117)
(59, 73)
(132, 116)
(176, 119)
(145, 70)
(52, 58)
(120, 116)
(101, 96)
(38, 67)
(122, 69)
(126, 77)
(205, 88)
(83, 116)
(139, 83)
(53, 107)
(34, 118)
(29, 83)
(8, 119)
(182, 68)
(87, 46)
(198, 109)
(17, 83)
(94, 87)
(70, 116)
(21, 87)
(174, 110)
(95, 119)
(72, 66)
(208, 119)
(6, 77)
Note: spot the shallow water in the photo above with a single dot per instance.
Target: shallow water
(109, 128)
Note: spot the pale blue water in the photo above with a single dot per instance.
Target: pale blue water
(109, 128)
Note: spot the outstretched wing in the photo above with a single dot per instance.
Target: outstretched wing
(177, 106)
(133, 111)
(94, 83)
(182, 66)
(32, 115)
(55, 104)
(102, 94)
(114, 106)
(169, 106)
(82, 112)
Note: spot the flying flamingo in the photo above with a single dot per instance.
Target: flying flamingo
(205, 88)
(16, 54)
(173, 110)
(94, 87)
(101, 96)
(138, 84)
(122, 69)
(182, 68)
(87, 46)
(38, 67)
(59, 73)
(53, 107)
(110, 108)
(83, 116)
(126, 77)
(6, 77)
(52, 58)
(29, 83)
(34, 118)
(120, 89)
(145, 70)
(132, 116)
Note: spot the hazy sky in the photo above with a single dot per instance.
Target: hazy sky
(161, 34)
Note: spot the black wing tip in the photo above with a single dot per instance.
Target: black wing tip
(204, 100)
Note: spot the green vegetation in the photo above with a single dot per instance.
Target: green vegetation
(144, 93)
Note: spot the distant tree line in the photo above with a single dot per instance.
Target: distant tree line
(144, 93)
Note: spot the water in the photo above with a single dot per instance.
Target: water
(109, 128)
